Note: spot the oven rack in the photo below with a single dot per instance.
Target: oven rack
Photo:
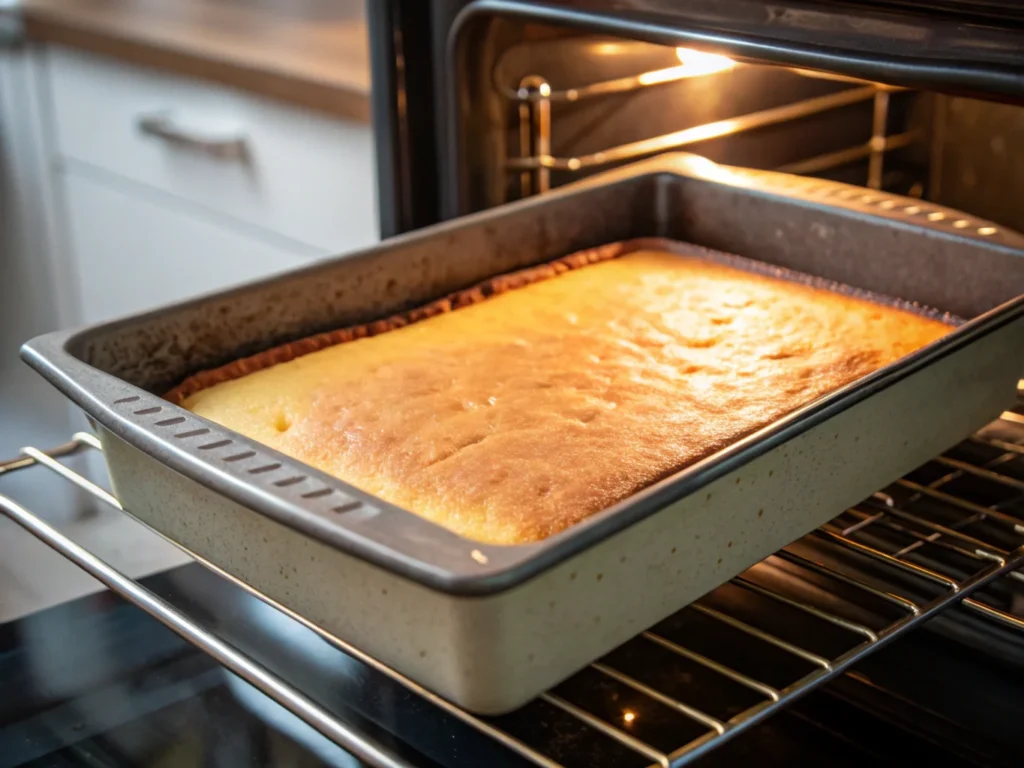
(805, 585)
(533, 99)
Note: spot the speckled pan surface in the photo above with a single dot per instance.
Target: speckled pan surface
(493, 653)
(489, 626)
(863, 239)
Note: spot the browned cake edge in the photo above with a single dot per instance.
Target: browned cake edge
(510, 281)
(453, 301)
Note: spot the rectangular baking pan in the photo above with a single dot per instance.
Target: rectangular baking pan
(489, 626)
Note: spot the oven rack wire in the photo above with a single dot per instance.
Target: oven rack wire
(802, 579)
(534, 97)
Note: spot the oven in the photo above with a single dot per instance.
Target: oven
(895, 632)
(493, 101)
(485, 102)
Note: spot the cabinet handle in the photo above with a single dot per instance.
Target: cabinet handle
(230, 144)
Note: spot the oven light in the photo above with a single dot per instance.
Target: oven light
(692, 64)
(628, 716)
(610, 49)
(700, 63)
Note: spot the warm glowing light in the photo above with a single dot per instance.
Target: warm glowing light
(663, 75)
(628, 716)
(703, 165)
(691, 64)
(609, 49)
(701, 63)
(709, 169)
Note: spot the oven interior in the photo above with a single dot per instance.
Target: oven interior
(558, 107)
(533, 106)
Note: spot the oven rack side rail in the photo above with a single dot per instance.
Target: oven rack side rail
(533, 99)
(882, 512)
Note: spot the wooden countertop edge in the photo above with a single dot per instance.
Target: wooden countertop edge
(351, 103)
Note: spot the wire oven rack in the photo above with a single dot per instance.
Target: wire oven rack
(533, 99)
(949, 533)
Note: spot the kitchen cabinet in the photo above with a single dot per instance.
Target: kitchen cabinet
(134, 250)
(171, 186)
(280, 168)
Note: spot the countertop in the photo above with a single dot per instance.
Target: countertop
(314, 53)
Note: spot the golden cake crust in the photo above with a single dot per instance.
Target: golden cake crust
(529, 410)
(453, 301)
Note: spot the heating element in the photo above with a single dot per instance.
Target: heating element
(950, 532)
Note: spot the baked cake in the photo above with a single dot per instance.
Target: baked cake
(511, 411)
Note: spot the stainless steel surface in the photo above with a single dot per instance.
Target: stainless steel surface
(534, 133)
(689, 136)
(875, 148)
(791, 579)
(243, 666)
(878, 141)
(534, 91)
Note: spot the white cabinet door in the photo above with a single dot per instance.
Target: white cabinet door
(304, 175)
(133, 253)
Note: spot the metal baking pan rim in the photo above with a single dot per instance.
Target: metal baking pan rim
(501, 567)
